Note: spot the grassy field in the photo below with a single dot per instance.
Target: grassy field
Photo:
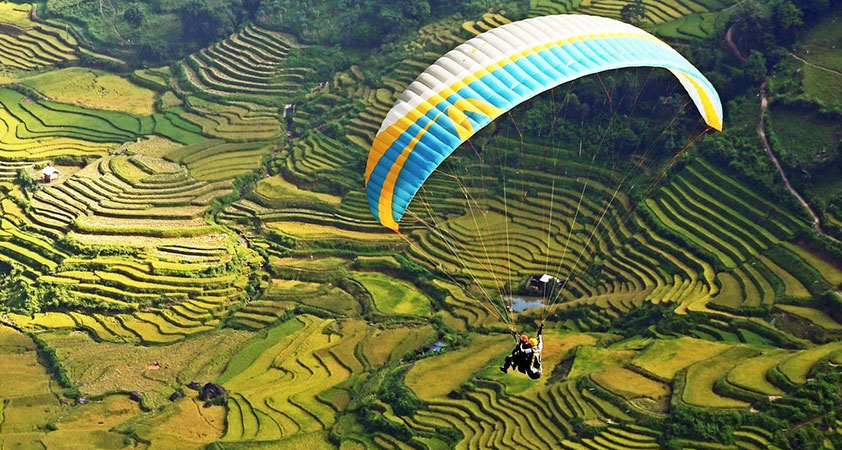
(392, 296)
(100, 368)
(822, 85)
(665, 358)
(796, 367)
(278, 188)
(317, 231)
(186, 424)
(813, 315)
(701, 377)
(94, 89)
(751, 373)
(594, 359)
(803, 132)
(30, 399)
(392, 344)
(425, 376)
(15, 14)
(829, 271)
(630, 384)
(819, 44)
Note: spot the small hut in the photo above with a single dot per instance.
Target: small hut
(49, 174)
(544, 283)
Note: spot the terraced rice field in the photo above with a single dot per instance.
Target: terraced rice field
(129, 238)
(736, 235)
(305, 366)
(95, 90)
(424, 378)
(247, 64)
(664, 359)
(681, 19)
(702, 376)
(28, 45)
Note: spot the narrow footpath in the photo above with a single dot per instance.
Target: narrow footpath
(816, 66)
(761, 132)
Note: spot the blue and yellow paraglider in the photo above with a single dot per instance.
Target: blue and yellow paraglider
(478, 81)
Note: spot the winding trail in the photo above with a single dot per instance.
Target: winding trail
(826, 69)
(729, 39)
(761, 132)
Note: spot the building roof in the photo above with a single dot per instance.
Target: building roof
(49, 171)
(545, 278)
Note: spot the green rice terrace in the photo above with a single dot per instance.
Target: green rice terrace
(189, 260)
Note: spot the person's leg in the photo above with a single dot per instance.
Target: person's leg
(507, 364)
(523, 365)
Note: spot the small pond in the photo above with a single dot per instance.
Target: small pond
(436, 347)
(520, 304)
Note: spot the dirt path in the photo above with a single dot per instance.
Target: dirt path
(761, 132)
(729, 39)
(826, 69)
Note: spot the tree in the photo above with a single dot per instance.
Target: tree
(787, 16)
(24, 179)
(633, 12)
(133, 15)
(204, 22)
(755, 67)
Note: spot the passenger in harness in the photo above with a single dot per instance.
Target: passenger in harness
(526, 356)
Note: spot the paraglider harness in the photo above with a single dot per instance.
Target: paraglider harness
(526, 358)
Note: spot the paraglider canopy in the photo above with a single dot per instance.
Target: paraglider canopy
(490, 74)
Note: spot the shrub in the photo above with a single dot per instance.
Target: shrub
(398, 396)
(701, 425)
(50, 360)
(373, 421)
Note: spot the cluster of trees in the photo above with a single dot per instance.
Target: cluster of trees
(804, 419)
(357, 23)
(765, 26)
(202, 23)
(609, 117)
(18, 295)
(398, 396)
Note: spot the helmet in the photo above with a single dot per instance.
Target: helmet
(533, 342)
(524, 338)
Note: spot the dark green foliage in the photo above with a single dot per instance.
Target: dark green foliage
(423, 279)
(584, 430)
(50, 360)
(821, 244)
(786, 17)
(280, 242)
(638, 320)
(462, 391)
(755, 67)
(207, 21)
(633, 12)
(357, 23)
(24, 179)
(398, 396)
(800, 269)
(370, 415)
(796, 419)
(242, 186)
(701, 425)
(324, 61)
(133, 15)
